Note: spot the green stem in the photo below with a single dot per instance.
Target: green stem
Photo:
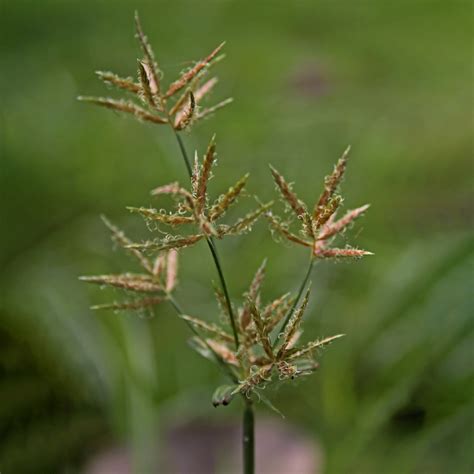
(298, 297)
(183, 153)
(213, 249)
(248, 439)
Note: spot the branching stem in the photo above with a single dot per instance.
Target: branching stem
(213, 249)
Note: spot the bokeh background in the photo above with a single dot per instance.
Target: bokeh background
(394, 79)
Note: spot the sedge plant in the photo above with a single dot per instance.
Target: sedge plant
(254, 343)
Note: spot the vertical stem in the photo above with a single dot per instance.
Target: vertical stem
(249, 439)
(183, 152)
(213, 249)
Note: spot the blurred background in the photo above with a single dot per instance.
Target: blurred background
(393, 79)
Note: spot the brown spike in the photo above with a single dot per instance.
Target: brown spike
(337, 253)
(205, 89)
(171, 270)
(336, 227)
(185, 115)
(245, 223)
(126, 107)
(130, 305)
(154, 215)
(224, 201)
(125, 83)
(276, 225)
(293, 326)
(166, 244)
(191, 73)
(120, 237)
(331, 183)
(313, 345)
(210, 110)
(204, 175)
(152, 70)
(126, 281)
(212, 328)
(146, 83)
(261, 332)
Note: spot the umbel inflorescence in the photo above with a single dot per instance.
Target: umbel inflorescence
(255, 343)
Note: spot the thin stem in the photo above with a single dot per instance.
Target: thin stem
(298, 297)
(248, 439)
(213, 249)
(215, 256)
(183, 153)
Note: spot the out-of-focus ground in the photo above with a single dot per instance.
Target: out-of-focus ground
(394, 79)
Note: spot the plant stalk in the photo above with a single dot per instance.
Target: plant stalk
(248, 438)
(213, 249)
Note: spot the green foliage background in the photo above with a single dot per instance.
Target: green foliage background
(394, 79)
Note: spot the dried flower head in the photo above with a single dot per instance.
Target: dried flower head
(195, 207)
(319, 226)
(143, 290)
(177, 105)
(263, 356)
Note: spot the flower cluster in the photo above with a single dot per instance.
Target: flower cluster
(144, 290)
(317, 228)
(177, 105)
(264, 355)
(194, 207)
(256, 343)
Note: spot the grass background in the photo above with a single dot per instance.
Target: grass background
(394, 79)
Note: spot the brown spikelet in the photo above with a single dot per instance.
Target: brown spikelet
(252, 295)
(166, 244)
(204, 175)
(258, 378)
(205, 89)
(186, 114)
(151, 69)
(326, 213)
(212, 328)
(260, 327)
(120, 237)
(191, 73)
(270, 308)
(155, 215)
(124, 83)
(180, 103)
(313, 345)
(223, 352)
(130, 305)
(293, 326)
(171, 270)
(288, 194)
(159, 264)
(126, 281)
(126, 107)
(278, 314)
(245, 223)
(331, 183)
(224, 201)
(339, 225)
(340, 253)
(146, 85)
(277, 226)
(210, 110)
